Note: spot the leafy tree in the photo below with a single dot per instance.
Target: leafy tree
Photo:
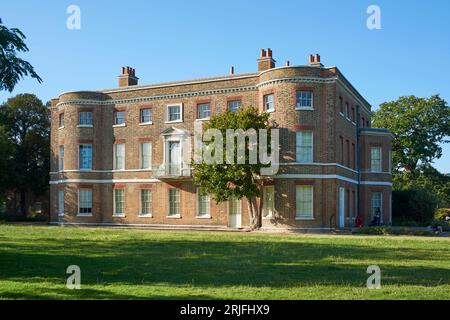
(12, 68)
(419, 125)
(225, 181)
(27, 124)
(6, 151)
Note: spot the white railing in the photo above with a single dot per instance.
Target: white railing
(172, 170)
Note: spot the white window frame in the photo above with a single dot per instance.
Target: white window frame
(115, 164)
(198, 111)
(300, 215)
(207, 215)
(61, 158)
(141, 122)
(150, 213)
(232, 102)
(115, 213)
(61, 124)
(124, 123)
(85, 125)
(372, 168)
(265, 208)
(169, 213)
(79, 157)
(85, 214)
(297, 146)
(141, 155)
(372, 212)
(60, 202)
(267, 103)
(180, 105)
(311, 107)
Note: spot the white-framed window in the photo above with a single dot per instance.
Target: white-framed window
(119, 117)
(234, 206)
(376, 199)
(268, 201)
(204, 204)
(85, 202)
(146, 155)
(304, 202)
(375, 159)
(85, 118)
(119, 202)
(85, 156)
(347, 110)
(304, 100)
(146, 115)
(203, 111)
(61, 120)
(61, 158)
(60, 202)
(119, 156)
(174, 202)
(175, 112)
(234, 105)
(146, 202)
(304, 146)
(269, 103)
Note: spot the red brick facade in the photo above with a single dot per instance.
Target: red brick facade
(341, 158)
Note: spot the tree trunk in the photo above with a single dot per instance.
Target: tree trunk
(254, 213)
(23, 203)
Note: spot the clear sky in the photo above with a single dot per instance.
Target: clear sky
(176, 40)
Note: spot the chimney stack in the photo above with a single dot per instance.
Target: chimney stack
(232, 70)
(314, 61)
(288, 63)
(265, 61)
(128, 77)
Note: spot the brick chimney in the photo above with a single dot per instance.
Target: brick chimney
(265, 61)
(314, 61)
(128, 77)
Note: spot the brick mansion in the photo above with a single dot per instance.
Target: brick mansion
(116, 153)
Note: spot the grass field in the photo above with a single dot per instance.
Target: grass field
(143, 264)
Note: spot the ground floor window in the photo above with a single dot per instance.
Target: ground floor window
(203, 205)
(146, 202)
(61, 202)
(268, 201)
(85, 201)
(304, 202)
(119, 201)
(234, 206)
(174, 202)
(376, 204)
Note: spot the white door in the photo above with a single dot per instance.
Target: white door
(174, 157)
(234, 213)
(341, 207)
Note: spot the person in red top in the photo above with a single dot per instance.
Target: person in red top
(358, 222)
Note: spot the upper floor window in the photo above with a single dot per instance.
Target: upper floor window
(375, 159)
(85, 201)
(347, 110)
(203, 111)
(146, 115)
(61, 120)
(353, 114)
(234, 105)
(119, 156)
(268, 103)
(304, 100)
(61, 158)
(85, 118)
(341, 105)
(85, 156)
(119, 117)
(146, 155)
(304, 146)
(363, 122)
(268, 202)
(304, 202)
(174, 113)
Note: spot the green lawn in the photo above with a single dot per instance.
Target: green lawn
(144, 264)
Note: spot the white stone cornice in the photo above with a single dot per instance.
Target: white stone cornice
(297, 79)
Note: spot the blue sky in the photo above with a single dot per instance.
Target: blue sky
(175, 40)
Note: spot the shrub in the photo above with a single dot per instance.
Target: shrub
(442, 213)
(416, 205)
(393, 231)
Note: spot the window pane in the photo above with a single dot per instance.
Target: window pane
(85, 156)
(85, 201)
(375, 158)
(85, 118)
(234, 105)
(174, 113)
(268, 201)
(203, 204)
(61, 157)
(119, 201)
(203, 111)
(375, 202)
(146, 201)
(61, 202)
(304, 202)
(174, 202)
(304, 146)
(119, 117)
(304, 99)
(269, 102)
(119, 156)
(146, 155)
(146, 115)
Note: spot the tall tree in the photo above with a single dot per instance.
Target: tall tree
(27, 124)
(13, 68)
(225, 181)
(6, 152)
(420, 126)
